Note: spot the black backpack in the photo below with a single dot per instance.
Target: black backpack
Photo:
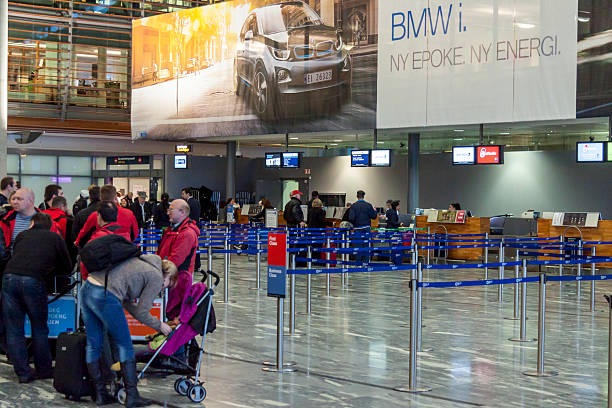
(104, 253)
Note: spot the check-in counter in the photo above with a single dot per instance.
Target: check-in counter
(472, 225)
(603, 232)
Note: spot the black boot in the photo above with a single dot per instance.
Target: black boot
(130, 381)
(102, 396)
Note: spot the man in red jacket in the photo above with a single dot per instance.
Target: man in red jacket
(59, 214)
(125, 219)
(179, 244)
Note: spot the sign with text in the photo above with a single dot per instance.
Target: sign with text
(127, 160)
(183, 148)
(443, 62)
(60, 318)
(138, 330)
(489, 155)
(277, 264)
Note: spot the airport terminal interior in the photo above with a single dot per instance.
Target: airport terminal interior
(397, 203)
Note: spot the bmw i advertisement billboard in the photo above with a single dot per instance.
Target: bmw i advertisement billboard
(255, 67)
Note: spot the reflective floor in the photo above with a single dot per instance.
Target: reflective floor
(352, 351)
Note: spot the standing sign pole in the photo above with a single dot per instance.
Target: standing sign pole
(277, 287)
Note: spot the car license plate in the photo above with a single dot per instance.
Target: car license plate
(315, 77)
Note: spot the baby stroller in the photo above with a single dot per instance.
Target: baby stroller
(195, 314)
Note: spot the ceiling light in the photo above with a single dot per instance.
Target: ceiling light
(380, 142)
(458, 130)
(584, 19)
(333, 144)
(504, 133)
(113, 52)
(337, 140)
(294, 138)
(457, 140)
(87, 56)
(524, 25)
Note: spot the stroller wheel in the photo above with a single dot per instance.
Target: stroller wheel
(121, 396)
(196, 393)
(182, 385)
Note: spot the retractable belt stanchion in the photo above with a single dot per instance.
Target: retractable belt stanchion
(210, 261)
(579, 270)
(226, 283)
(486, 256)
(429, 250)
(292, 299)
(516, 290)
(309, 281)
(412, 368)
(343, 256)
(258, 265)
(500, 288)
(279, 366)
(592, 299)
(327, 277)
(348, 258)
(420, 312)
(540, 372)
(562, 252)
(609, 299)
(523, 335)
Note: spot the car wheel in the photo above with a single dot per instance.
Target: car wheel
(263, 100)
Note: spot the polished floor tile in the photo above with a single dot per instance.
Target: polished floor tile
(353, 350)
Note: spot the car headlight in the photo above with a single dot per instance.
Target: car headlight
(338, 42)
(282, 55)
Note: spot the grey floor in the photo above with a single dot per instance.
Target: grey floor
(353, 350)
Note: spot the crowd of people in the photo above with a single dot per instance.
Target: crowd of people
(40, 244)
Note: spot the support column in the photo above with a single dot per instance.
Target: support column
(230, 174)
(412, 202)
(3, 85)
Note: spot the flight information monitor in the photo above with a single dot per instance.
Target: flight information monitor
(291, 160)
(380, 158)
(590, 152)
(273, 160)
(360, 158)
(464, 155)
(180, 161)
(489, 154)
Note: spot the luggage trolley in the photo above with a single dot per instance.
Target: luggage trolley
(189, 385)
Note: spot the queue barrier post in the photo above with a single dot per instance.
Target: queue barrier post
(500, 288)
(292, 299)
(609, 300)
(210, 262)
(226, 283)
(258, 264)
(309, 282)
(523, 335)
(327, 277)
(579, 271)
(420, 312)
(592, 299)
(562, 252)
(515, 316)
(540, 372)
(412, 368)
(344, 257)
(486, 256)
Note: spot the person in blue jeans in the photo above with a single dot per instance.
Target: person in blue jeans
(132, 285)
(37, 253)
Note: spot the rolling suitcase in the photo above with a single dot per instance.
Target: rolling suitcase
(70, 374)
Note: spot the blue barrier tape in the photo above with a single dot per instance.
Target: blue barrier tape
(473, 266)
(578, 278)
(350, 270)
(597, 242)
(238, 251)
(457, 246)
(335, 262)
(531, 239)
(476, 283)
(571, 261)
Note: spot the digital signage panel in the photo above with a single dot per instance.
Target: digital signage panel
(380, 158)
(590, 152)
(273, 160)
(464, 155)
(180, 161)
(489, 155)
(360, 158)
(291, 160)
(246, 67)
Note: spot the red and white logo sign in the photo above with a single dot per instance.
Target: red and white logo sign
(488, 155)
(460, 218)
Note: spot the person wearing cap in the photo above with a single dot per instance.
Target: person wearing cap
(142, 209)
(81, 203)
(360, 215)
(293, 214)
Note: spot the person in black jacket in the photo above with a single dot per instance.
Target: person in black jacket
(51, 191)
(81, 217)
(81, 203)
(316, 215)
(160, 212)
(293, 214)
(194, 204)
(360, 215)
(37, 253)
(142, 209)
(392, 215)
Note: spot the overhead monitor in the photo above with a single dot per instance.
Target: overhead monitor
(360, 158)
(291, 160)
(491, 154)
(380, 158)
(273, 160)
(590, 152)
(464, 155)
(180, 161)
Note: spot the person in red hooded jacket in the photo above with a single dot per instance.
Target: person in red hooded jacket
(179, 244)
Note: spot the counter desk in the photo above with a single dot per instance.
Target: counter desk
(472, 225)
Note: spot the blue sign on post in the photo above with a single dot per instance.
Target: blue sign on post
(277, 281)
(61, 317)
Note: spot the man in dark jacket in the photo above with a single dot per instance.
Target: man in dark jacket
(360, 215)
(142, 209)
(51, 191)
(81, 218)
(81, 203)
(7, 186)
(194, 214)
(293, 214)
(37, 253)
